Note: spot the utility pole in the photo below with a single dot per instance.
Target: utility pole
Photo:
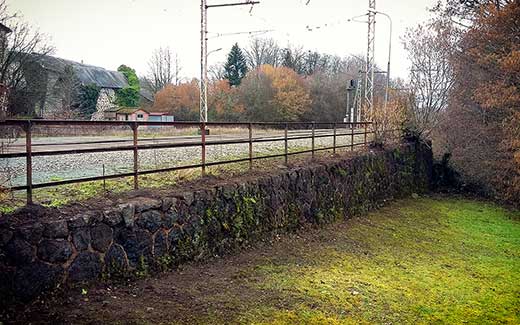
(349, 114)
(370, 61)
(204, 51)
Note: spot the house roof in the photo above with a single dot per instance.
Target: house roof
(130, 110)
(146, 94)
(87, 74)
(160, 113)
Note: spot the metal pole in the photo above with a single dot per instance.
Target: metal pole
(313, 129)
(286, 143)
(104, 180)
(334, 140)
(28, 162)
(365, 133)
(250, 145)
(388, 65)
(136, 155)
(351, 137)
(206, 66)
(203, 60)
(203, 147)
(348, 114)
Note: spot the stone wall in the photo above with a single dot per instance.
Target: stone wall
(145, 233)
(105, 103)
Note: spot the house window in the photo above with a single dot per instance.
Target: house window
(140, 116)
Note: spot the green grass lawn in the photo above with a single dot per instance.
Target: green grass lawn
(444, 261)
(417, 261)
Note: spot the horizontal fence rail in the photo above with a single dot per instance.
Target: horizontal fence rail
(299, 131)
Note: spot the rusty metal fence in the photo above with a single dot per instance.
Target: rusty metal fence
(335, 131)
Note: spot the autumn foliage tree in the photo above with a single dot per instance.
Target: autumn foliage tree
(483, 120)
(223, 102)
(275, 94)
(180, 100)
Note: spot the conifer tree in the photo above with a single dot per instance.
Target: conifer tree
(235, 68)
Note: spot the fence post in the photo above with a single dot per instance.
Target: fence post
(313, 129)
(366, 125)
(135, 126)
(203, 147)
(28, 162)
(286, 143)
(334, 140)
(250, 127)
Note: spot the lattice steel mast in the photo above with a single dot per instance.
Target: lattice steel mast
(368, 106)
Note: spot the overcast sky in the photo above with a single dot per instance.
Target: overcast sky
(108, 33)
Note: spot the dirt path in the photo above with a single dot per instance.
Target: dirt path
(415, 261)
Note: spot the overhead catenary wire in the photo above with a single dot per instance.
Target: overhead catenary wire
(251, 33)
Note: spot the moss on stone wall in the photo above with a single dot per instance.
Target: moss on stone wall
(158, 233)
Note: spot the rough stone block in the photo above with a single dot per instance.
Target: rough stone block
(160, 244)
(85, 267)
(95, 217)
(168, 203)
(37, 277)
(56, 229)
(115, 259)
(33, 233)
(112, 217)
(150, 220)
(171, 217)
(128, 214)
(19, 251)
(188, 198)
(145, 204)
(101, 237)
(54, 250)
(174, 236)
(78, 221)
(136, 243)
(81, 239)
(5, 236)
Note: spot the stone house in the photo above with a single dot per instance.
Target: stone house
(46, 76)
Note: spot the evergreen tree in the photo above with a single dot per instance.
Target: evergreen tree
(287, 60)
(87, 100)
(235, 68)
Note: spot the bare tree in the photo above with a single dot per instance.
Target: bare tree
(216, 72)
(24, 45)
(163, 68)
(263, 51)
(431, 75)
(294, 57)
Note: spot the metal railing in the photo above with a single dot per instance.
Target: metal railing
(338, 130)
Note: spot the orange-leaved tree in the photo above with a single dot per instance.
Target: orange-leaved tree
(223, 102)
(484, 130)
(291, 96)
(181, 100)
